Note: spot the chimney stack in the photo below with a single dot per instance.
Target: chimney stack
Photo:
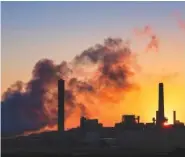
(61, 91)
(174, 117)
(160, 118)
(138, 119)
(82, 122)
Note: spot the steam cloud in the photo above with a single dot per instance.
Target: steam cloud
(101, 74)
(148, 32)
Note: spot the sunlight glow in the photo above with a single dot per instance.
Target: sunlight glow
(166, 123)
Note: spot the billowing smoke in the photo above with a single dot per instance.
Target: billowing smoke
(97, 78)
(148, 32)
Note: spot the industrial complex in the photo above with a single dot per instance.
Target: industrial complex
(128, 136)
(131, 122)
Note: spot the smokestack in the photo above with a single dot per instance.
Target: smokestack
(138, 119)
(61, 126)
(160, 114)
(174, 117)
(82, 122)
(161, 99)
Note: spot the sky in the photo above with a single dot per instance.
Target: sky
(61, 30)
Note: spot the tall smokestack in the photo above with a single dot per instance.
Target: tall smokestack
(160, 119)
(174, 117)
(61, 126)
(161, 99)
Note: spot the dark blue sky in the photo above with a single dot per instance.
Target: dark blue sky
(50, 15)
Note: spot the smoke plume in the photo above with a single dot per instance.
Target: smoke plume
(149, 33)
(153, 44)
(98, 77)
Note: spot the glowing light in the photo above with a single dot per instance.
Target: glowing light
(165, 124)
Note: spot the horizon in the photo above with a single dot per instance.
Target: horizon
(60, 31)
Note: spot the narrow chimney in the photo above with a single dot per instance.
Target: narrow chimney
(82, 122)
(61, 126)
(174, 117)
(161, 100)
(138, 119)
(160, 114)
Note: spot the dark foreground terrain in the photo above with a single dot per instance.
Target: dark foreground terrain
(86, 153)
(54, 144)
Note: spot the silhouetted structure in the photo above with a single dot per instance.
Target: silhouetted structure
(82, 122)
(61, 90)
(129, 122)
(129, 119)
(89, 124)
(174, 117)
(160, 118)
(138, 119)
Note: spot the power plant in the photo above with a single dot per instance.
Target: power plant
(128, 121)
(91, 132)
(128, 136)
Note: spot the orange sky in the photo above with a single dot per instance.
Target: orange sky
(144, 102)
(26, 41)
(155, 67)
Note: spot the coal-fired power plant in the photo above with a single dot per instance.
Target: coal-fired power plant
(160, 117)
(61, 90)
